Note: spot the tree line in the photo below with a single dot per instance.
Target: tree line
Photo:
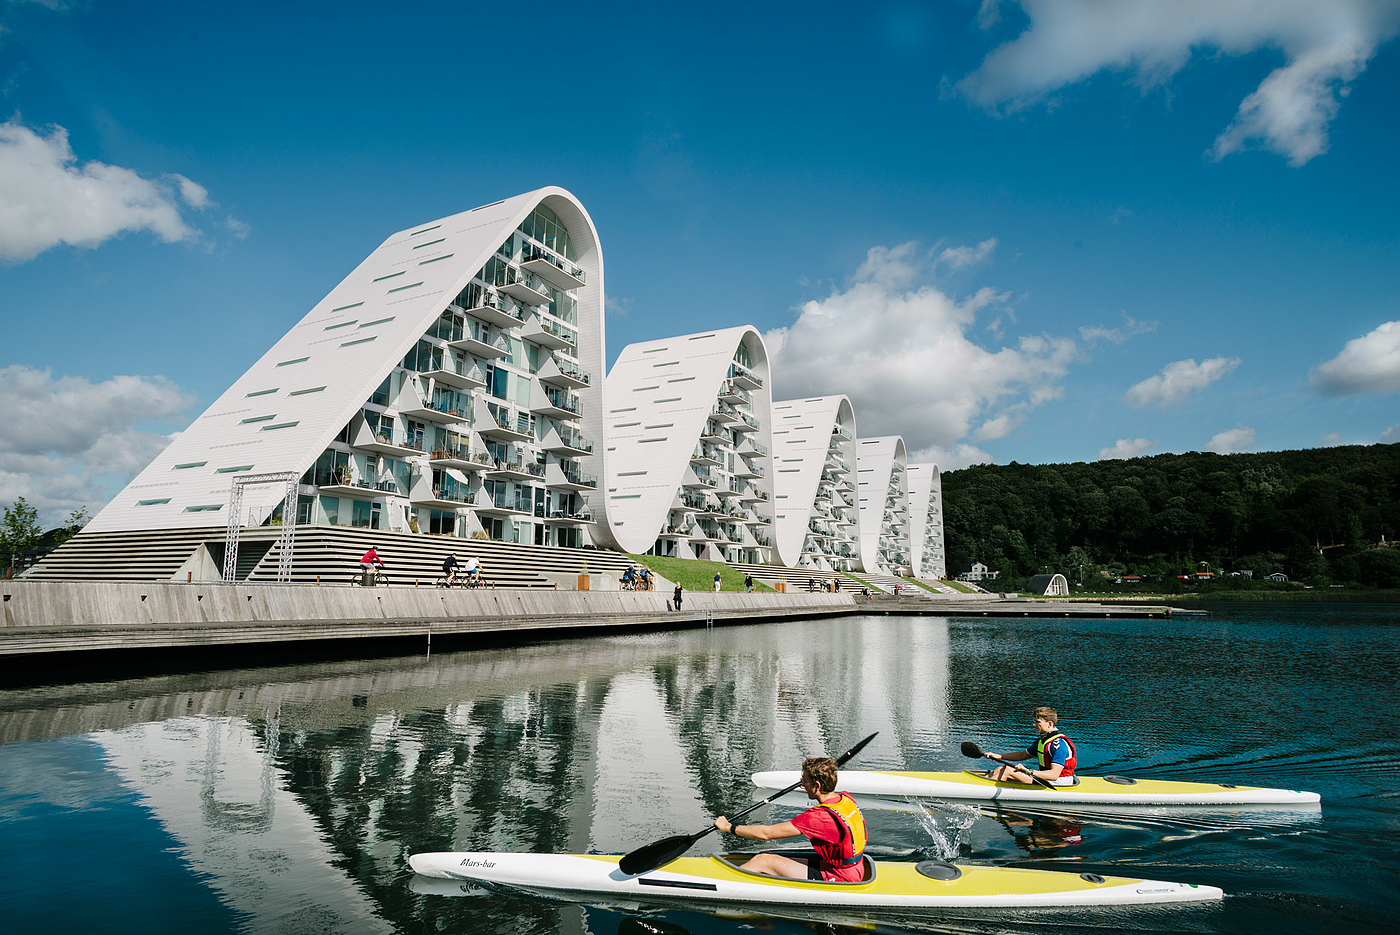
(1323, 516)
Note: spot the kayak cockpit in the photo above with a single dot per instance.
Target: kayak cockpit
(736, 861)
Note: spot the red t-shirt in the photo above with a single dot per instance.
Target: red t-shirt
(821, 828)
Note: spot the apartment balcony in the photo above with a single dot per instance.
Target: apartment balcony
(744, 469)
(463, 375)
(575, 518)
(676, 531)
(495, 312)
(566, 441)
(515, 469)
(724, 414)
(566, 476)
(502, 505)
(708, 533)
(386, 442)
(440, 498)
(752, 448)
(464, 459)
(707, 456)
(733, 393)
(559, 405)
(435, 411)
(519, 286)
(730, 488)
(743, 377)
(553, 269)
(713, 434)
(516, 427)
(746, 423)
(359, 489)
(484, 344)
(564, 373)
(701, 477)
(547, 332)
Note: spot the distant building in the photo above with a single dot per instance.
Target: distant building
(1277, 576)
(977, 572)
(1049, 585)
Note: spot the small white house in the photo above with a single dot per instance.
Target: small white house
(1277, 576)
(977, 572)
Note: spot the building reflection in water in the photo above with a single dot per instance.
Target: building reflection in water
(296, 792)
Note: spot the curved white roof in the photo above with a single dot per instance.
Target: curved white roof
(884, 504)
(926, 554)
(660, 397)
(283, 412)
(814, 460)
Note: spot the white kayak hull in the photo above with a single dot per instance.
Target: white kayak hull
(1091, 790)
(890, 885)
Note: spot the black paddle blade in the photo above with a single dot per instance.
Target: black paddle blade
(971, 749)
(651, 856)
(841, 760)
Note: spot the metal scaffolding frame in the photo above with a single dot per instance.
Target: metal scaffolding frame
(289, 522)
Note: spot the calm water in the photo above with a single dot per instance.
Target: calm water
(286, 798)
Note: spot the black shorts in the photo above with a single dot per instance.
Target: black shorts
(814, 869)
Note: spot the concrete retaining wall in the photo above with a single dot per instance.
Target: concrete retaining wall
(43, 616)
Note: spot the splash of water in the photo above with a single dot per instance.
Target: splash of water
(947, 826)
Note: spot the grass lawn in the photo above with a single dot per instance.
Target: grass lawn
(863, 582)
(919, 584)
(696, 575)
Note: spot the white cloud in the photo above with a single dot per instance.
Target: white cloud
(1368, 364)
(1126, 448)
(900, 351)
(1178, 379)
(960, 257)
(1130, 327)
(67, 442)
(1325, 46)
(1332, 440)
(950, 459)
(47, 199)
(1390, 435)
(1234, 439)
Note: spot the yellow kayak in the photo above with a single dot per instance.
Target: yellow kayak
(721, 878)
(972, 785)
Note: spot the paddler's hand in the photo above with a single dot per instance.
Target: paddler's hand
(724, 824)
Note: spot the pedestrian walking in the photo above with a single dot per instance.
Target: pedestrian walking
(677, 597)
(716, 581)
(748, 582)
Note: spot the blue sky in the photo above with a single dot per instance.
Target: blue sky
(1046, 230)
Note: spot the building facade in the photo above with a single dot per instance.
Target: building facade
(816, 504)
(926, 522)
(883, 486)
(689, 432)
(450, 384)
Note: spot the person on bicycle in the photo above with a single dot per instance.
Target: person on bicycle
(645, 574)
(449, 568)
(473, 570)
(368, 562)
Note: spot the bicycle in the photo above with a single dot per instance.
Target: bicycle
(367, 579)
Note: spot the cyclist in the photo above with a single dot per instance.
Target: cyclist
(473, 571)
(449, 567)
(644, 573)
(629, 578)
(368, 561)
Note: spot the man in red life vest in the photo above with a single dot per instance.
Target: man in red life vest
(1053, 752)
(834, 826)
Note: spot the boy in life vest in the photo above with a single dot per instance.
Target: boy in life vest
(1052, 751)
(834, 826)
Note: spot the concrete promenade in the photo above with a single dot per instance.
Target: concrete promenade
(44, 617)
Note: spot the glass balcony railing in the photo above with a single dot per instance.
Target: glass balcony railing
(532, 252)
(566, 401)
(574, 439)
(737, 369)
(560, 330)
(520, 466)
(576, 476)
(570, 368)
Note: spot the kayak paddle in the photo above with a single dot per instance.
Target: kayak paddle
(972, 750)
(650, 856)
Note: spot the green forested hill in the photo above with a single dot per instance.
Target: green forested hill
(1315, 515)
